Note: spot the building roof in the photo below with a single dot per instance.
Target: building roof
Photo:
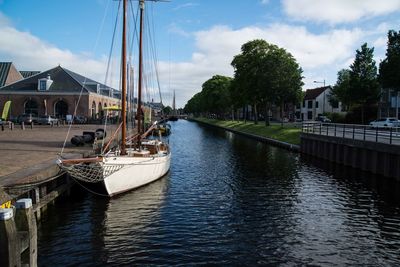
(4, 70)
(8, 74)
(314, 93)
(64, 80)
(28, 73)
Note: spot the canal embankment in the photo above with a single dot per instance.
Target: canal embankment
(28, 166)
(286, 136)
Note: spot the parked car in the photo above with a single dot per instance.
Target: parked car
(385, 122)
(323, 119)
(27, 118)
(47, 119)
(80, 119)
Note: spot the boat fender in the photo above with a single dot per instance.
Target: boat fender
(77, 140)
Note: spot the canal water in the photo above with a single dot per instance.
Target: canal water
(229, 200)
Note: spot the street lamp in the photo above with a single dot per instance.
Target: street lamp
(323, 101)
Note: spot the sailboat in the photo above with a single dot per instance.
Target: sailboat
(136, 161)
(174, 116)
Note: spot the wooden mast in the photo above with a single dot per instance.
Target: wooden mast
(123, 77)
(139, 109)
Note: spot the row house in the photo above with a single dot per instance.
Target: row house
(316, 103)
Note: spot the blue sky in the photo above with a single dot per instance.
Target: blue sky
(197, 39)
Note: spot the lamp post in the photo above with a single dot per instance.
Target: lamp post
(323, 101)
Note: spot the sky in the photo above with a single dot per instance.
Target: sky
(196, 39)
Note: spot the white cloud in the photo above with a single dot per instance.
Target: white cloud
(173, 28)
(320, 55)
(28, 52)
(338, 11)
(264, 2)
(185, 6)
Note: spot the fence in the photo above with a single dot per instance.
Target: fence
(387, 135)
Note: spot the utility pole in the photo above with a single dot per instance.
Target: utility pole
(323, 101)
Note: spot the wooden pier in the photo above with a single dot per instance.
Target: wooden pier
(28, 170)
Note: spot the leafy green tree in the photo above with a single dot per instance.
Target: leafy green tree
(340, 91)
(249, 72)
(285, 78)
(364, 87)
(389, 68)
(216, 93)
(167, 110)
(265, 73)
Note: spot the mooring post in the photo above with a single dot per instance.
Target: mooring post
(31, 124)
(9, 243)
(26, 226)
(2, 127)
(23, 125)
(37, 202)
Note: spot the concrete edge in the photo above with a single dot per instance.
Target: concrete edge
(288, 146)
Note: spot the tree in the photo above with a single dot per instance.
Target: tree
(250, 73)
(216, 93)
(389, 68)
(364, 87)
(265, 73)
(167, 110)
(340, 91)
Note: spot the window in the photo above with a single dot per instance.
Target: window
(309, 104)
(316, 104)
(304, 103)
(309, 115)
(335, 104)
(42, 85)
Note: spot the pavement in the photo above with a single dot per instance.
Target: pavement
(29, 155)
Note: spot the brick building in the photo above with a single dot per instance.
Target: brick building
(57, 92)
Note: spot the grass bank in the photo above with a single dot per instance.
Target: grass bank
(289, 133)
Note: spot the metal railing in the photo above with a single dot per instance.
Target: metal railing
(387, 135)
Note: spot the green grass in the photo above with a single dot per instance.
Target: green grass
(289, 133)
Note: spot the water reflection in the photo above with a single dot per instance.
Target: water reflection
(130, 219)
(230, 200)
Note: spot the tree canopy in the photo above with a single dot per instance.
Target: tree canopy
(389, 68)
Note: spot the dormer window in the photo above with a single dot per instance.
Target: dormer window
(44, 83)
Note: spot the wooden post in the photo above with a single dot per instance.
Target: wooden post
(9, 242)
(26, 226)
(37, 202)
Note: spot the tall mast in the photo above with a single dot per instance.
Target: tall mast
(123, 68)
(139, 109)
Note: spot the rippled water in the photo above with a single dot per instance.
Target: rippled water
(229, 200)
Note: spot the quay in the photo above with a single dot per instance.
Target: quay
(30, 180)
(358, 146)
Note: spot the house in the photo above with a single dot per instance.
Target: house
(57, 92)
(316, 103)
(389, 103)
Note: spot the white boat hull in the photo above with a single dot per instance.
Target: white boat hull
(136, 172)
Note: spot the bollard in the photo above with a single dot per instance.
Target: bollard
(23, 125)
(26, 226)
(31, 124)
(9, 243)
(2, 127)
